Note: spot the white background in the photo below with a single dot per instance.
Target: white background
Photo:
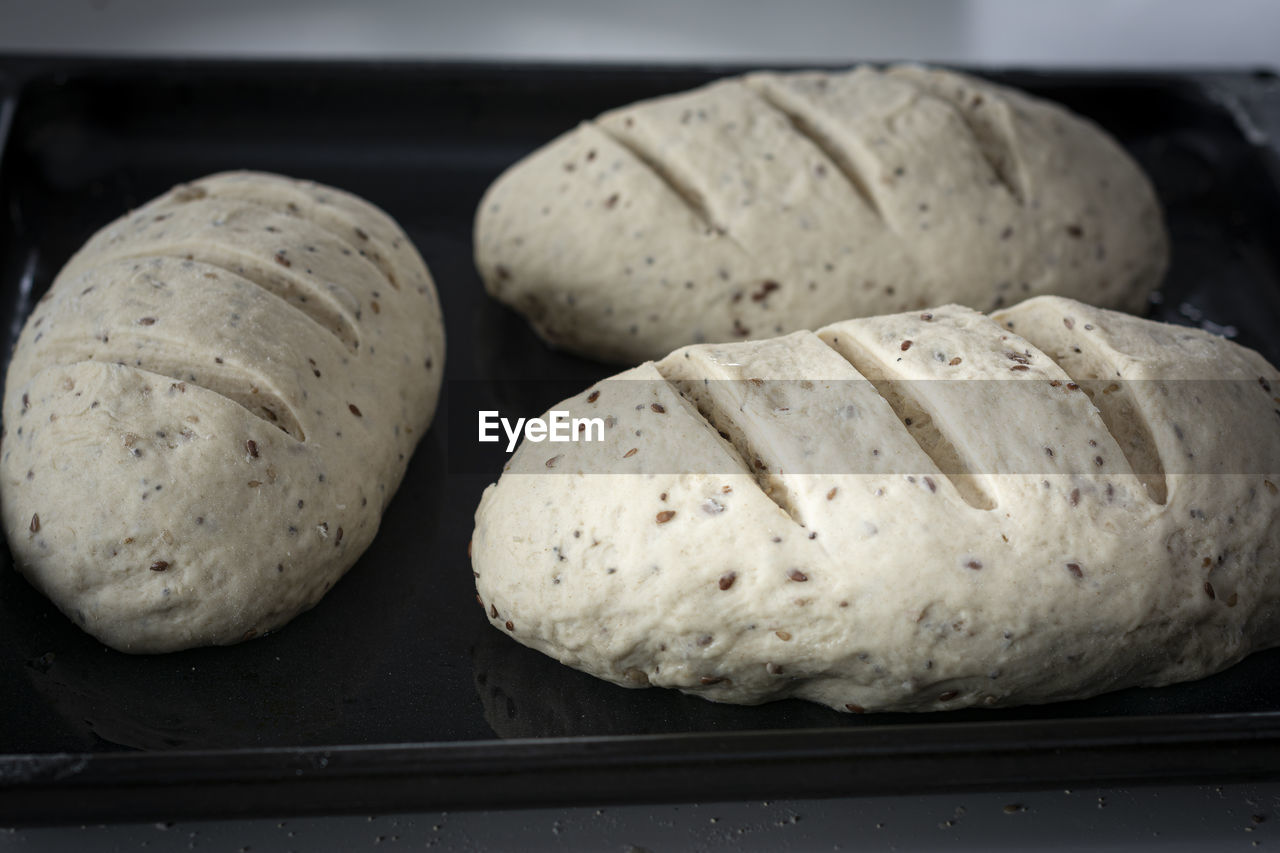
(1169, 33)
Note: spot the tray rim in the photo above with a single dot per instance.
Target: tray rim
(664, 768)
(21, 66)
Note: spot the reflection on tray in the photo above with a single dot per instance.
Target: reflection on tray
(102, 697)
(529, 695)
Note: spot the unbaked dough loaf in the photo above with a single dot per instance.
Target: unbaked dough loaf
(208, 411)
(764, 204)
(910, 512)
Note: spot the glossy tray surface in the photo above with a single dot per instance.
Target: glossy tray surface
(394, 692)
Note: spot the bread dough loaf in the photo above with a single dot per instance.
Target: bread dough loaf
(909, 512)
(208, 411)
(764, 204)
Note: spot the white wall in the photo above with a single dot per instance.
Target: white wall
(985, 32)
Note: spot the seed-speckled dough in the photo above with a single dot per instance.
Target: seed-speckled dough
(207, 413)
(774, 202)
(1100, 512)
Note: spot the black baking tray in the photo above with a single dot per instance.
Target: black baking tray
(394, 693)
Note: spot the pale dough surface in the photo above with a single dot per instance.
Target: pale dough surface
(775, 202)
(207, 413)
(1096, 508)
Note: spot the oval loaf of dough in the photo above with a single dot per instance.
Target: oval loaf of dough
(773, 202)
(207, 413)
(917, 511)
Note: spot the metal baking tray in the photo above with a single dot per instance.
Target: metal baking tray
(394, 693)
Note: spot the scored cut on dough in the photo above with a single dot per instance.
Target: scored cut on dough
(210, 408)
(775, 202)
(919, 511)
